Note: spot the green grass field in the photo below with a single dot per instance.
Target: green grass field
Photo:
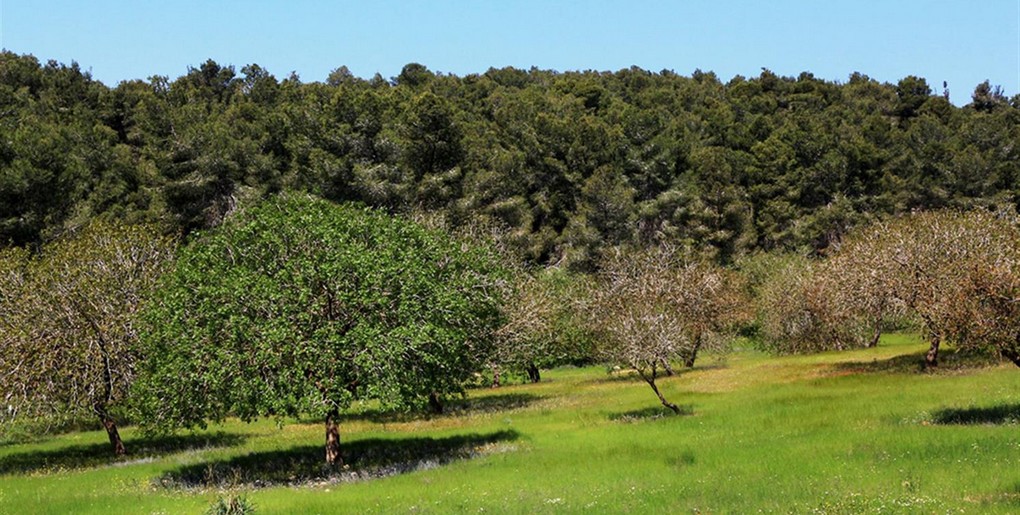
(854, 432)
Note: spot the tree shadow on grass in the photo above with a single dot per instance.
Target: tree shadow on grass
(99, 454)
(651, 413)
(363, 459)
(489, 403)
(453, 407)
(951, 361)
(993, 415)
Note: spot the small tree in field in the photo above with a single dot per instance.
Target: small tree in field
(542, 326)
(790, 307)
(929, 261)
(982, 309)
(67, 318)
(299, 306)
(952, 271)
(653, 306)
(835, 304)
(525, 338)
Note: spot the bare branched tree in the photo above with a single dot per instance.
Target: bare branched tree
(68, 327)
(655, 306)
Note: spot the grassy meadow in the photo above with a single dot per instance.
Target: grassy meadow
(853, 432)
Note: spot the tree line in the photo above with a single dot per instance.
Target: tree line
(570, 163)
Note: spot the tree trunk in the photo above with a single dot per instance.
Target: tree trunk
(533, 374)
(667, 368)
(1011, 355)
(650, 379)
(333, 439)
(689, 359)
(495, 377)
(111, 432)
(876, 334)
(435, 405)
(931, 360)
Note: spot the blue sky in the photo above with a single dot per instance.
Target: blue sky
(962, 42)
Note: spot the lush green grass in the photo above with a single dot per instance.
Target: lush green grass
(862, 431)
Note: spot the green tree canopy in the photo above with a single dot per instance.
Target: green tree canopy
(300, 306)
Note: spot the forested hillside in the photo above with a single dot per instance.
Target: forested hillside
(569, 163)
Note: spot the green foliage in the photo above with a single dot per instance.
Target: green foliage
(231, 505)
(299, 306)
(573, 162)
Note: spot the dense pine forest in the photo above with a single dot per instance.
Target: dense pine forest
(568, 163)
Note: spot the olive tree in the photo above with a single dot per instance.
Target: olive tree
(68, 321)
(300, 306)
(654, 306)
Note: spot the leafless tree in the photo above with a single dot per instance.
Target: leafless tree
(68, 320)
(654, 306)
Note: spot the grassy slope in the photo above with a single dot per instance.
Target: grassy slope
(847, 432)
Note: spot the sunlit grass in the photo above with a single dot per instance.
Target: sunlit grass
(852, 432)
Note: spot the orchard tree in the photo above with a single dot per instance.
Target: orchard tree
(654, 306)
(976, 303)
(989, 316)
(523, 339)
(298, 306)
(860, 283)
(68, 319)
(543, 328)
(951, 270)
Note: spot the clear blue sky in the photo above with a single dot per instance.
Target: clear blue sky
(962, 42)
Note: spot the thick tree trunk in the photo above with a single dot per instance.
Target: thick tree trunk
(931, 360)
(435, 405)
(650, 379)
(111, 431)
(533, 374)
(333, 439)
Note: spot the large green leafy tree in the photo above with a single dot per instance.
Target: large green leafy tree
(301, 306)
(67, 322)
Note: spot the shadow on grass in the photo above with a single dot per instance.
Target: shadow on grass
(949, 361)
(454, 407)
(652, 413)
(363, 459)
(994, 415)
(99, 454)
